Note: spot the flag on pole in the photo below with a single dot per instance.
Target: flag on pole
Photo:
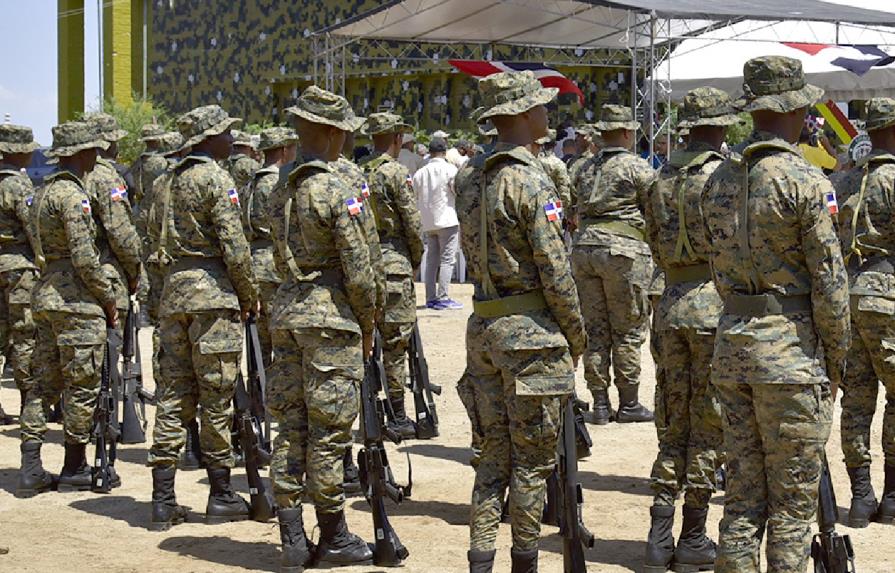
(857, 59)
(549, 77)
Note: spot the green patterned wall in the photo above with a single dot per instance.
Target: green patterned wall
(255, 56)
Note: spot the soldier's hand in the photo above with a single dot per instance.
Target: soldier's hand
(575, 361)
(253, 308)
(111, 314)
(367, 344)
(133, 284)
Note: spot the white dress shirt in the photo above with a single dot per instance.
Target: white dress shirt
(434, 186)
(409, 159)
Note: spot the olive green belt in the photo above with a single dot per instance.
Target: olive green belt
(513, 304)
(688, 274)
(189, 262)
(760, 305)
(615, 228)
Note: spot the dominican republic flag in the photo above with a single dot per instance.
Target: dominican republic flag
(85, 206)
(857, 59)
(832, 204)
(234, 196)
(553, 210)
(549, 77)
(365, 190)
(119, 193)
(354, 206)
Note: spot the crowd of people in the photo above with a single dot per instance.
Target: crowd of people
(765, 290)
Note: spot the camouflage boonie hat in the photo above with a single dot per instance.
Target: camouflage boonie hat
(551, 136)
(106, 126)
(614, 116)
(152, 132)
(776, 83)
(320, 106)
(243, 138)
(16, 139)
(880, 113)
(74, 136)
(204, 122)
(385, 122)
(274, 137)
(707, 106)
(170, 142)
(512, 93)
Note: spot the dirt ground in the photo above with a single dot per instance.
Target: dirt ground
(92, 532)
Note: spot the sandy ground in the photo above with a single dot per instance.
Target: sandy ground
(85, 531)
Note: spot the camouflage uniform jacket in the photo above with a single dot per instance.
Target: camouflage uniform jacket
(146, 169)
(612, 188)
(255, 204)
(867, 223)
(575, 166)
(356, 180)
(16, 193)
(525, 250)
(241, 168)
(319, 239)
(559, 174)
(675, 197)
(396, 213)
(776, 236)
(72, 278)
(203, 227)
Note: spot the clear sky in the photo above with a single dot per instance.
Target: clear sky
(28, 69)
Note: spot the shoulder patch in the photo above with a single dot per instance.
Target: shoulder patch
(85, 206)
(553, 210)
(832, 204)
(355, 207)
(365, 190)
(234, 196)
(29, 200)
(118, 193)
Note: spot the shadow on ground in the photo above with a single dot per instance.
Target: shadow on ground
(254, 556)
(450, 513)
(124, 508)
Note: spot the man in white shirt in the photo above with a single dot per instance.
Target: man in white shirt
(407, 156)
(459, 154)
(434, 186)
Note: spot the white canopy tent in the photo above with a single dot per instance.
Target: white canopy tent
(716, 58)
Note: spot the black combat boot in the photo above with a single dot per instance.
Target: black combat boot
(660, 543)
(338, 546)
(55, 413)
(191, 458)
(629, 409)
(76, 475)
(165, 511)
(33, 478)
(886, 513)
(863, 498)
(694, 551)
(401, 425)
(351, 473)
(223, 504)
(524, 561)
(602, 411)
(481, 561)
(298, 552)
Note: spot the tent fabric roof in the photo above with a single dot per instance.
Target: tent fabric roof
(570, 23)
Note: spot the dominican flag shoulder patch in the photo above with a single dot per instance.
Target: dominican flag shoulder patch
(354, 205)
(234, 196)
(832, 204)
(119, 193)
(553, 210)
(85, 206)
(409, 181)
(365, 190)
(29, 200)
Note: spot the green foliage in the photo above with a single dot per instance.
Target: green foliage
(257, 128)
(132, 117)
(738, 132)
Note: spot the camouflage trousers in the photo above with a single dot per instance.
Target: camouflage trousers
(518, 445)
(687, 409)
(17, 329)
(313, 394)
(70, 348)
(871, 359)
(774, 437)
(613, 293)
(655, 349)
(266, 291)
(466, 392)
(199, 361)
(395, 344)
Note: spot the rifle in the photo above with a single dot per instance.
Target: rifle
(574, 533)
(583, 443)
(133, 420)
(376, 476)
(105, 419)
(831, 552)
(257, 381)
(422, 388)
(263, 507)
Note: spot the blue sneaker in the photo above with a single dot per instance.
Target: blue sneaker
(451, 304)
(435, 305)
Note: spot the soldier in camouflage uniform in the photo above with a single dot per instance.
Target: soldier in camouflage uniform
(612, 265)
(556, 170)
(149, 165)
(17, 269)
(394, 206)
(322, 321)
(209, 282)
(575, 165)
(867, 224)
(526, 331)
(784, 330)
(686, 318)
(242, 164)
(279, 145)
(117, 240)
(72, 302)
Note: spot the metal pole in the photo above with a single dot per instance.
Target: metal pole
(145, 48)
(652, 85)
(99, 30)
